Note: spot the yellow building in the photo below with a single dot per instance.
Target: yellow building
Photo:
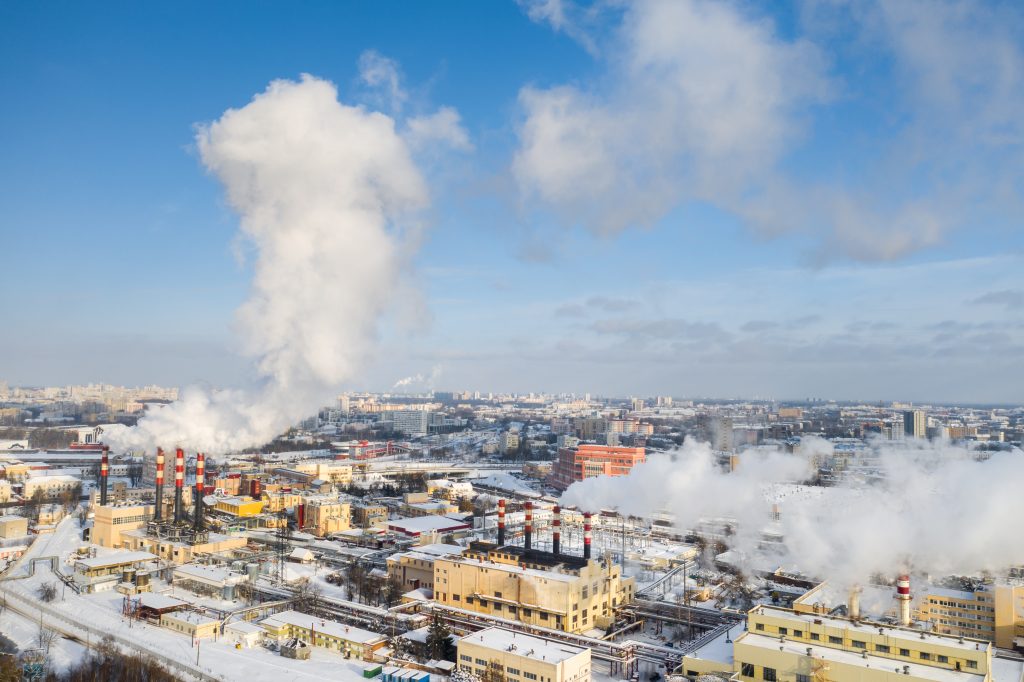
(239, 506)
(553, 591)
(518, 657)
(180, 552)
(960, 612)
(1009, 615)
(327, 515)
(111, 520)
(190, 623)
(415, 568)
(782, 645)
(12, 526)
(351, 641)
(278, 500)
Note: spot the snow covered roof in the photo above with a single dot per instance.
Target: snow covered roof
(327, 627)
(528, 646)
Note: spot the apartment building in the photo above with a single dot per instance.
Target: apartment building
(586, 461)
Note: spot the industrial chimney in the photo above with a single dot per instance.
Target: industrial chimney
(200, 489)
(159, 484)
(528, 528)
(903, 596)
(853, 603)
(179, 482)
(501, 522)
(556, 530)
(104, 472)
(586, 535)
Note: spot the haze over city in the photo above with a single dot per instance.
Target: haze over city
(524, 341)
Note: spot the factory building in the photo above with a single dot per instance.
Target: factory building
(782, 645)
(208, 580)
(239, 506)
(323, 516)
(111, 520)
(586, 461)
(522, 658)
(538, 588)
(367, 515)
(101, 573)
(415, 568)
(351, 641)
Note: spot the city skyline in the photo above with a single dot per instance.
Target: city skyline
(525, 278)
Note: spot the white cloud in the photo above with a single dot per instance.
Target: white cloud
(564, 16)
(705, 101)
(382, 73)
(324, 192)
(443, 127)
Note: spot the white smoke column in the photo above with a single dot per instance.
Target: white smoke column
(324, 192)
(935, 508)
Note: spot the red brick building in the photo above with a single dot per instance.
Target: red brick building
(586, 461)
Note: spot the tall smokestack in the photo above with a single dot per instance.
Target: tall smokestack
(200, 489)
(853, 603)
(159, 484)
(903, 596)
(528, 529)
(556, 530)
(501, 522)
(179, 482)
(104, 472)
(586, 535)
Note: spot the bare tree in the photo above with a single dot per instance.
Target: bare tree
(47, 592)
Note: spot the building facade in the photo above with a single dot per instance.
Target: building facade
(586, 461)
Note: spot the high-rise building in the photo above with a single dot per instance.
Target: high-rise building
(915, 424)
(411, 422)
(586, 461)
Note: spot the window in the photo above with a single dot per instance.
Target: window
(482, 662)
(832, 639)
(783, 631)
(456, 597)
(904, 652)
(497, 595)
(543, 616)
(747, 669)
(972, 664)
(464, 657)
(857, 644)
(512, 671)
(529, 676)
(925, 656)
(798, 633)
(815, 636)
(768, 674)
(943, 659)
(882, 648)
(800, 677)
(527, 613)
(759, 626)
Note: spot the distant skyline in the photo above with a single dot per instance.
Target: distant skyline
(690, 198)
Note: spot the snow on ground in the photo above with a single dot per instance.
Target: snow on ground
(25, 634)
(101, 613)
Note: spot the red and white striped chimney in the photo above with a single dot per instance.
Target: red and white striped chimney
(179, 482)
(528, 529)
(104, 472)
(586, 535)
(501, 522)
(200, 489)
(159, 484)
(903, 596)
(556, 530)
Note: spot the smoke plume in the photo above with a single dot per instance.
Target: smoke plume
(326, 194)
(930, 508)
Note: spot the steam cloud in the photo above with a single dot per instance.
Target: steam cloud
(934, 509)
(325, 192)
(420, 379)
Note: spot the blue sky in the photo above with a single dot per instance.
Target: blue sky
(843, 220)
